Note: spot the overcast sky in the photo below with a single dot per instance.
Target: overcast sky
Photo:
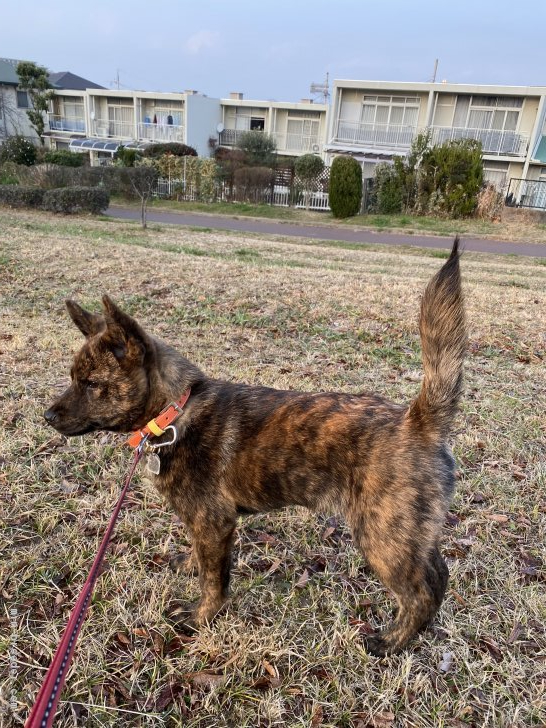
(274, 50)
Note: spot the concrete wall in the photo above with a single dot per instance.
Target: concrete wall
(202, 117)
(13, 120)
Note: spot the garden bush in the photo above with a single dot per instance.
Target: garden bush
(252, 183)
(345, 187)
(126, 156)
(308, 167)
(76, 199)
(441, 180)
(178, 150)
(260, 149)
(20, 196)
(9, 174)
(18, 149)
(48, 176)
(64, 158)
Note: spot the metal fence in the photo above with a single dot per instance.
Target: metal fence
(526, 193)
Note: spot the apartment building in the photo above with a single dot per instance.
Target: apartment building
(99, 120)
(373, 121)
(376, 120)
(298, 128)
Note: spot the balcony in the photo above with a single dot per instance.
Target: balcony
(232, 137)
(160, 132)
(105, 128)
(66, 123)
(494, 141)
(391, 136)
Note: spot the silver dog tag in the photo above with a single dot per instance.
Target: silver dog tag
(153, 463)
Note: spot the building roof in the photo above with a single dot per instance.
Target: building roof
(8, 74)
(68, 80)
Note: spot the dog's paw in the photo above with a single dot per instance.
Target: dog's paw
(183, 563)
(376, 645)
(182, 617)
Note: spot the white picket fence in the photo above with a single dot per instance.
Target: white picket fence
(281, 196)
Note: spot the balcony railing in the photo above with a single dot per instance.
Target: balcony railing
(160, 132)
(116, 129)
(494, 141)
(375, 135)
(57, 122)
(231, 137)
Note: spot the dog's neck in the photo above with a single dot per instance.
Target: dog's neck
(169, 376)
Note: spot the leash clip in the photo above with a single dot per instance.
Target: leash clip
(157, 446)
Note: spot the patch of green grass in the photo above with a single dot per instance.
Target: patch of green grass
(515, 284)
(241, 209)
(247, 253)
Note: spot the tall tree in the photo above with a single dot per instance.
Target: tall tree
(34, 80)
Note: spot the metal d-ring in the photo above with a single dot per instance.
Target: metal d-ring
(164, 444)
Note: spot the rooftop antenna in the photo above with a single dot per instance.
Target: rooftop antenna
(116, 82)
(434, 72)
(322, 90)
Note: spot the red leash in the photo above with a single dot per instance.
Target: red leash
(45, 707)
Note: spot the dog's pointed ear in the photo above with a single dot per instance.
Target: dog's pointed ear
(123, 336)
(87, 322)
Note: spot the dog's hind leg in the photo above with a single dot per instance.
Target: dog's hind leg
(419, 592)
(415, 574)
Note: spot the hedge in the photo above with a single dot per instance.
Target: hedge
(76, 199)
(21, 196)
(64, 157)
(159, 149)
(65, 199)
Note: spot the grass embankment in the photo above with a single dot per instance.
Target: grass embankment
(289, 650)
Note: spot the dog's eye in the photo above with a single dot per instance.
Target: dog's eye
(92, 385)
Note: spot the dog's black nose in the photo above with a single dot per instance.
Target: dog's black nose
(50, 416)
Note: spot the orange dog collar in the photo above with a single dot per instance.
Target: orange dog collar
(159, 424)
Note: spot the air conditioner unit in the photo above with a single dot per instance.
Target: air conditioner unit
(316, 147)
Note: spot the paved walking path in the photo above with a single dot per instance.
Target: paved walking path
(327, 232)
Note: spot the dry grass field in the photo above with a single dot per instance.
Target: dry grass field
(288, 651)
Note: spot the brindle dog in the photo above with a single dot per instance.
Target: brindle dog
(243, 449)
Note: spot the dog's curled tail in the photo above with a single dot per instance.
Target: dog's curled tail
(442, 326)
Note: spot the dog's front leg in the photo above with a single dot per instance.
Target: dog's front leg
(212, 545)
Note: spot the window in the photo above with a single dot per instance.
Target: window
(257, 123)
(487, 112)
(496, 174)
(23, 101)
(245, 119)
(73, 109)
(390, 110)
(302, 132)
(164, 115)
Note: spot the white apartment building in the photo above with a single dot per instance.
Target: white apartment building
(99, 121)
(377, 120)
(298, 128)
